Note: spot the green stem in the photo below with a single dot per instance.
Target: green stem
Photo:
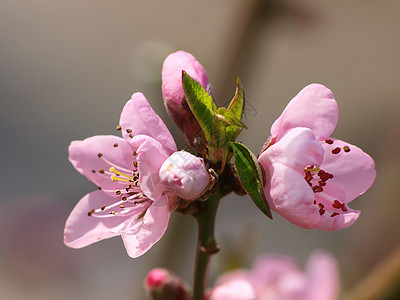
(206, 244)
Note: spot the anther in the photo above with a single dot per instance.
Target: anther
(102, 171)
(118, 192)
(321, 183)
(129, 130)
(119, 127)
(131, 136)
(336, 150)
(317, 189)
(115, 145)
(324, 177)
(122, 206)
(330, 142)
(99, 187)
(112, 212)
(321, 209)
(99, 155)
(334, 214)
(103, 208)
(308, 176)
(124, 198)
(93, 171)
(337, 204)
(90, 212)
(134, 153)
(346, 149)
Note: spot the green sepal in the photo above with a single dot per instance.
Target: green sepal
(250, 176)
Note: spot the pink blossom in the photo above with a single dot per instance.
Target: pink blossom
(172, 69)
(132, 200)
(312, 177)
(279, 277)
(185, 174)
(174, 96)
(162, 284)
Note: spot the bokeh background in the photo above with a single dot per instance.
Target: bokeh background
(68, 67)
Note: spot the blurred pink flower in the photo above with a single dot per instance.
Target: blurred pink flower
(132, 200)
(162, 284)
(311, 177)
(279, 277)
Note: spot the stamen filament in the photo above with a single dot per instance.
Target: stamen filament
(114, 165)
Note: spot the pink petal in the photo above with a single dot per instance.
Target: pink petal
(297, 149)
(354, 171)
(233, 275)
(323, 276)
(313, 107)
(290, 196)
(185, 174)
(138, 116)
(268, 267)
(84, 157)
(172, 74)
(150, 156)
(150, 230)
(343, 220)
(278, 277)
(82, 230)
(334, 217)
(234, 289)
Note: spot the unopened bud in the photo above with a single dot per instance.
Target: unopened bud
(174, 96)
(164, 285)
(185, 174)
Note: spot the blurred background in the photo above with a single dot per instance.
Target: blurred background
(68, 67)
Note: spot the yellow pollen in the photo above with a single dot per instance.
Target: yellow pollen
(170, 166)
(127, 178)
(315, 169)
(116, 178)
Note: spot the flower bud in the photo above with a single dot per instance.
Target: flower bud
(174, 96)
(185, 174)
(164, 285)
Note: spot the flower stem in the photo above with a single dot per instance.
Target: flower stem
(206, 244)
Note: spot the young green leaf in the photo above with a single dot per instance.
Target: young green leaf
(250, 176)
(229, 118)
(200, 103)
(238, 102)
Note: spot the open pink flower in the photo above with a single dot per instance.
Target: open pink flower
(279, 277)
(132, 200)
(311, 177)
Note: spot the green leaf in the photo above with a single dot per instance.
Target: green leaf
(200, 103)
(238, 102)
(236, 108)
(228, 118)
(250, 176)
